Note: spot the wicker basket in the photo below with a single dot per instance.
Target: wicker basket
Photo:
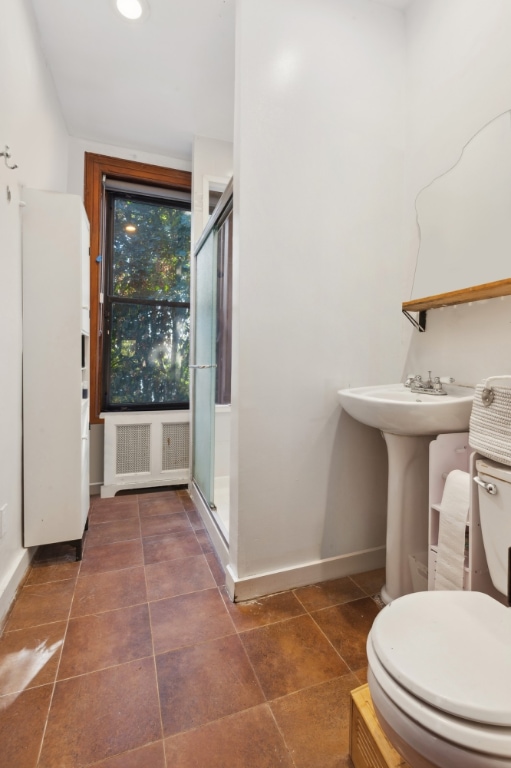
(490, 420)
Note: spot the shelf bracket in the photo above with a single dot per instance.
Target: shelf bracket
(418, 323)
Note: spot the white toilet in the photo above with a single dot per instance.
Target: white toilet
(440, 662)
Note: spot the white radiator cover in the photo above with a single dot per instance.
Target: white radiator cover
(145, 449)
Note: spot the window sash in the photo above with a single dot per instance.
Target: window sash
(156, 381)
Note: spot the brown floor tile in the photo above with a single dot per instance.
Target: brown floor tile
(30, 657)
(178, 577)
(328, 593)
(248, 739)
(43, 572)
(370, 581)
(150, 756)
(205, 682)
(146, 494)
(216, 568)
(187, 501)
(22, 720)
(112, 557)
(291, 655)
(170, 546)
(160, 506)
(96, 716)
(195, 519)
(109, 533)
(105, 639)
(109, 590)
(189, 619)
(41, 604)
(109, 510)
(361, 675)
(315, 722)
(174, 523)
(204, 541)
(347, 627)
(264, 610)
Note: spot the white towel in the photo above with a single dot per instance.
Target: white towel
(451, 534)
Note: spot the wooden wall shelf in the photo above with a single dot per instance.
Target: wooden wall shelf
(463, 296)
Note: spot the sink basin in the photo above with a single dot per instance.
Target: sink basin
(396, 409)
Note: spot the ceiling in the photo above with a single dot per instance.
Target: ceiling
(150, 85)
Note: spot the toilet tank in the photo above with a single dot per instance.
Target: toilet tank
(495, 515)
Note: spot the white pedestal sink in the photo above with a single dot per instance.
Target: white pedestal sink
(408, 421)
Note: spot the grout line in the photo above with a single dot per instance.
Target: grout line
(43, 736)
(104, 669)
(155, 672)
(127, 752)
(284, 741)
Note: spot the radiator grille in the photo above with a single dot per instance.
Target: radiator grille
(133, 454)
(175, 446)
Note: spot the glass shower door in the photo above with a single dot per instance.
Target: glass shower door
(204, 369)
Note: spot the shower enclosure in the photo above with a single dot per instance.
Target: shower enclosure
(211, 367)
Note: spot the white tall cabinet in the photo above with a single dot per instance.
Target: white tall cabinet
(55, 367)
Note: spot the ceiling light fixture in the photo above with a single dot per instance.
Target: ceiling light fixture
(133, 10)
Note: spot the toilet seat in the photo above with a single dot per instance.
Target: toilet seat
(451, 650)
(486, 740)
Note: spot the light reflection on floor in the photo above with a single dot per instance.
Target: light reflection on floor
(19, 668)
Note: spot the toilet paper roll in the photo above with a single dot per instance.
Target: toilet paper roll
(451, 534)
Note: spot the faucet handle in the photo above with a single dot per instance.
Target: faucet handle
(447, 380)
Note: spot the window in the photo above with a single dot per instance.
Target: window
(97, 169)
(147, 303)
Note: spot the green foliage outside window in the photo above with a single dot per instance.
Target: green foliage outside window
(149, 338)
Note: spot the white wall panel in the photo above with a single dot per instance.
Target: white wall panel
(318, 192)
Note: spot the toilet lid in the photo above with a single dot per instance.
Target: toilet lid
(450, 649)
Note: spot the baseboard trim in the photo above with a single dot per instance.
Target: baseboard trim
(95, 488)
(12, 581)
(267, 583)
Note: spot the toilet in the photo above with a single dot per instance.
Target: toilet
(439, 663)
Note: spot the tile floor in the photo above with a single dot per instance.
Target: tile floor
(135, 657)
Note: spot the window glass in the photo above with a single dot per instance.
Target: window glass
(149, 349)
(147, 304)
(151, 250)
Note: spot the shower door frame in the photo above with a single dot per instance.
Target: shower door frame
(205, 505)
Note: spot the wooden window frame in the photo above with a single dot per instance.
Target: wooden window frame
(97, 166)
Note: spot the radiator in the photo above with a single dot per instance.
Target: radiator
(145, 449)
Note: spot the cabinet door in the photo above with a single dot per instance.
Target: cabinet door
(55, 367)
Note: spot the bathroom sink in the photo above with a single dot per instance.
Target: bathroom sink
(396, 409)
(408, 421)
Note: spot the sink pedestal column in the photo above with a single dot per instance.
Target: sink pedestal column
(407, 509)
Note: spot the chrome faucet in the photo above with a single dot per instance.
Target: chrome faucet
(433, 386)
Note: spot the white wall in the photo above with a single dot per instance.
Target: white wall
(31, 123)
(318, 173)
(459, 78)
(212, 160)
